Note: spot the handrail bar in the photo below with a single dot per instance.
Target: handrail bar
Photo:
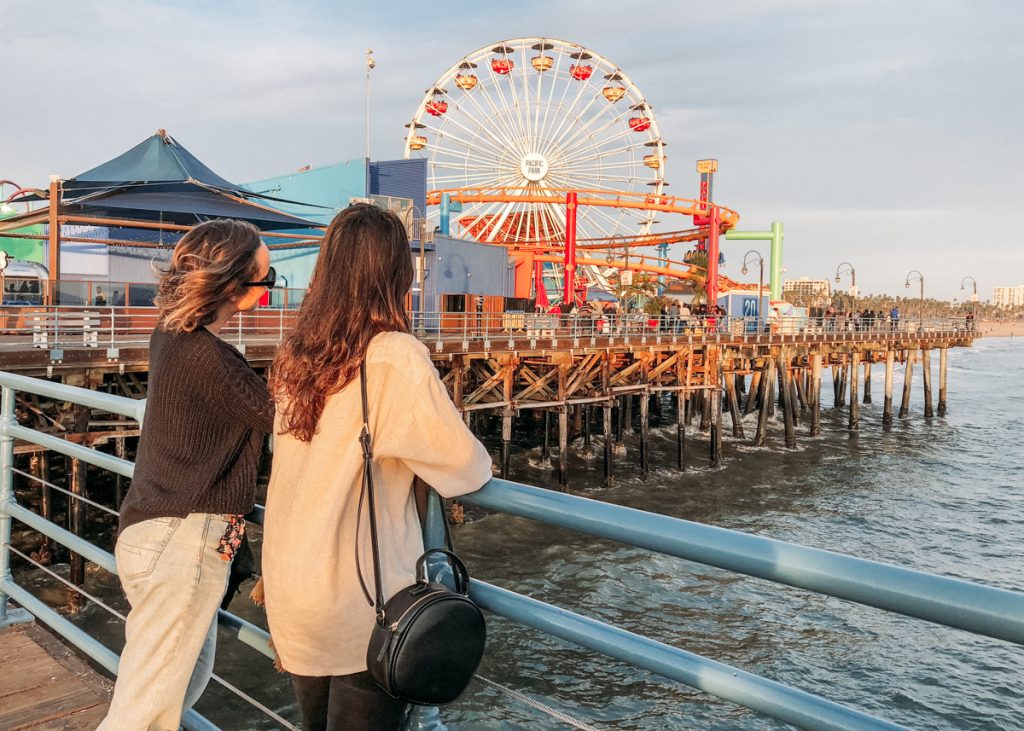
(117, 465)
(132, 408)
(983, 610)
(798, 707)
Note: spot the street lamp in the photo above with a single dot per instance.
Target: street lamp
(853, 280)
(760, 279)
(915, 276)
(974, 297)
(370, 65)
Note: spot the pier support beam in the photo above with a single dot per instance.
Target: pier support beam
(586, 427)
(545, 450)
(815, 394)
(760, 434)
(714, 405)
(506, 440)
(563, 425)
(645, 434)
(607, 419)
(734, 406)
(890, 363)
(867, 382)
(563, 447)
(942, 381)
(787, 405)
(854, 423)
(926, 377)
(907, 382)
(752, 393)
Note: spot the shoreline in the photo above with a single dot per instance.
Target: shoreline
(991, 329)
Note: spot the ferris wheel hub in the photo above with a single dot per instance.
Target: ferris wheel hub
(534, 167)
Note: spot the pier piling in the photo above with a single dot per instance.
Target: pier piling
(752, 393)
(734, 406)
(854, 422)
(867, 381)
(926, 378)
(907, 381)
(787, 406)
(942, 381)
(890, 364)
(760, 434)
(815, 394)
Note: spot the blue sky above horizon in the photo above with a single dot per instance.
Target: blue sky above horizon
(884, 134)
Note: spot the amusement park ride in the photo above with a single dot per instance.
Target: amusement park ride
(550, 150)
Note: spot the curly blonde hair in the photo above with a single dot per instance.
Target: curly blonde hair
(210, 265)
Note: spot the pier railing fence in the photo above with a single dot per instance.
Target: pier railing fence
(969, 606)
(57, 328)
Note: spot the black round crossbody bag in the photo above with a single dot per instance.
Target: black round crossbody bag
(428, 640)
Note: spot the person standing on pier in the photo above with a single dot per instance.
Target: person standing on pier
(207, 414)
(316, 547)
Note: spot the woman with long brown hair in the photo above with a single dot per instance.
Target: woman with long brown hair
(354, 311)
(207, 413)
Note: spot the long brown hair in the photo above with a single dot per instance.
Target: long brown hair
(209, 266)
(357, 290)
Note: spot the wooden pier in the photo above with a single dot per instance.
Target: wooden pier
(45, 685)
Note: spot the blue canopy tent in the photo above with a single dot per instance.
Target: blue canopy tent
(160, 180)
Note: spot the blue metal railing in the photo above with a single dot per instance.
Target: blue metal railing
(965, 605)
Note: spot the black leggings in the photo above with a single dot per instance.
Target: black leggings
(346, 703)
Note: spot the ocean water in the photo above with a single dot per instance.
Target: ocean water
(944, 495)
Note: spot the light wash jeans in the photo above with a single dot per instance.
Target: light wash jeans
(174, 580)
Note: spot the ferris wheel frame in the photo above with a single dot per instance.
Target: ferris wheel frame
(493, 134)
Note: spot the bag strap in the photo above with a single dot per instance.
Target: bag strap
(367, 491)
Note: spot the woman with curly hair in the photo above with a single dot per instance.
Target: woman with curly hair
(207, 413)
(316, 541)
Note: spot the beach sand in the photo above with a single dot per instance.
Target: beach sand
(1002, 329)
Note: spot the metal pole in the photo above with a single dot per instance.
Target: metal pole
(446, 213)
(370, 63)
(711, 285)
(760, 292)
(6, 492)
(776, 271)
(568, 295)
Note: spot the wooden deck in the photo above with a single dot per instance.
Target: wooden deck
(44, 685)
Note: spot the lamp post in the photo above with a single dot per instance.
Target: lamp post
(760, 278)
(418, 228)
(915, 276)
(853, 280)
(370, 64)
(974, 298)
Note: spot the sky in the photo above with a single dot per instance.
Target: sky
(885, 134)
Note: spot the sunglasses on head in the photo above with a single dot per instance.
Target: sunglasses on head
(268, 281)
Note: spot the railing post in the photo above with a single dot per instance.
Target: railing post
(6, 499)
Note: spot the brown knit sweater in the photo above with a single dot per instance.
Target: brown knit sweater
(207, 412)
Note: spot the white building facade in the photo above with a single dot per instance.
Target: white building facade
(1008, 296)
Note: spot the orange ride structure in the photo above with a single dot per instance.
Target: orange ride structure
(550, 150)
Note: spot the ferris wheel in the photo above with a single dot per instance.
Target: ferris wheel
(538, 115)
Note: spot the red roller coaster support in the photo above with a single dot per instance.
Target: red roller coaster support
(568, 287)
(711, 286)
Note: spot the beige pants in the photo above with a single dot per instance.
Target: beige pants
(174, 580)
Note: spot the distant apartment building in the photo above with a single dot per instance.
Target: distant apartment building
(807, 291)
(1008, 296)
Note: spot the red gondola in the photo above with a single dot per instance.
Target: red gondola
(437, 107)
(581, 72)
(639, 124)
(502, 66)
